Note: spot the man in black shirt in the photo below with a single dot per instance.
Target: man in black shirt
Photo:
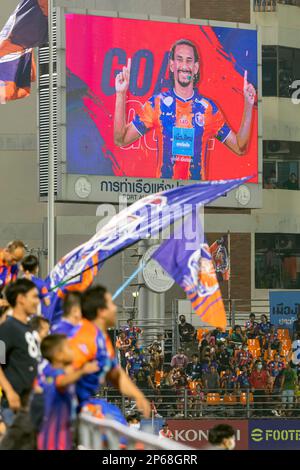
(144, 381)
(21, 346)
(194, 368)
(223, 357)
(186, 334)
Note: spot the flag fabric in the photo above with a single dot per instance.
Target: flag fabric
(17, 71)
(219, 251)
(26, 28)
(187, 259)
(143, 219)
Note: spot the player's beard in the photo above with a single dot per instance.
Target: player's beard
(188, 82)
(184, 84)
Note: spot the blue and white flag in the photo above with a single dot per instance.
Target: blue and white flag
(143, 219)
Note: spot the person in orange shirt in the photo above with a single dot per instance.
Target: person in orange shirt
(91, 342)
(10, 257)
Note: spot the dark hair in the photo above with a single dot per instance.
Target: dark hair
(133, 416)
(220, 432)
(186, 42)
(36, 322)
(30, 263)
(252, 315)
(3, 311)
(19, 287)
(71, 299)
(13, 245)
(50, 344)
(93, 300)
(263, 315)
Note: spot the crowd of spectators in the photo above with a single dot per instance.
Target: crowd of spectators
(246, 364)
(51, 372)
(247, 367)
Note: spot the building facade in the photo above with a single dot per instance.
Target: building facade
(265, 248)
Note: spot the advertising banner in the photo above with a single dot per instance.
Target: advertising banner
(284, 306)
(158, 100)
(274, 434)
(194, 433)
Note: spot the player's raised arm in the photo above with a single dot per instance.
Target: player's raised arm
(124, 134)
(124, 384)
(238, 142)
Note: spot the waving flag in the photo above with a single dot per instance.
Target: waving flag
(143, 219)
(26, 28)
(187, 259)
(219, 251)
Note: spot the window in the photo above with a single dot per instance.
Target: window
(285, 71)
(280, 67)
(287, 175)
(269, 70)
(270, 175)
(281, 164)
(270, 5)
(277, 261)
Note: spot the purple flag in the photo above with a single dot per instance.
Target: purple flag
(187, 259)
(26, 28)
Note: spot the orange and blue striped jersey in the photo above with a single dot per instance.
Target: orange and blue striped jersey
(64, 327)
(90, 344)
(7, 273)
(183, 129)
(55, 433)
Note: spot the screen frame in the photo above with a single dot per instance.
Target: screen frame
(96, 188)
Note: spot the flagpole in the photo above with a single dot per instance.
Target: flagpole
(128, 281)
(229, 279)
(50, 206)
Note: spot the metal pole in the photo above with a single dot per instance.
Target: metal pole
(185, 403)
(50, 207)
(248, 403)
(123, 407)
(187, 9)
(229, 279)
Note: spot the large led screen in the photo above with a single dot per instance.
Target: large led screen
(149, 99)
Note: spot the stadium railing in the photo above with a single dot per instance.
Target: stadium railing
(271, 5)
(103, 434)
(183, 405)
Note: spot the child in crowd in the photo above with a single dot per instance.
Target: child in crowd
(55, 384)
(30, 268)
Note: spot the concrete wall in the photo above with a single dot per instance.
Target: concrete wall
(174, 8)
(23, 216)
(281, 118)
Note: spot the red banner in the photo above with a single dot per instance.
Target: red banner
(194, 433)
